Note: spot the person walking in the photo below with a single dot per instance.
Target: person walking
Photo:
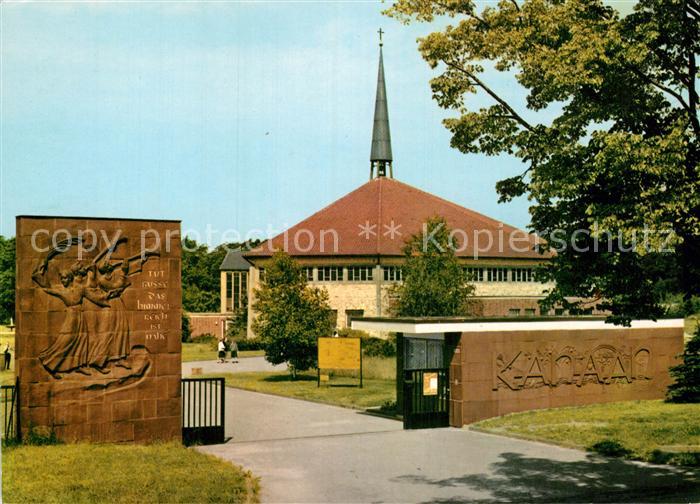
(234, 352)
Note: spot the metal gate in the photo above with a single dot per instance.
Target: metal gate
(203, 406)
(426, 398)
(10, 410)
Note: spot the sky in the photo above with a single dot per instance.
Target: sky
(245, 117)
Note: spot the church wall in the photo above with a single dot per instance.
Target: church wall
(511, 289)
(350, 296)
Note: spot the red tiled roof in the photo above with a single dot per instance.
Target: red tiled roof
(363, 221)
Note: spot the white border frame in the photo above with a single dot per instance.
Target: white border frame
(500, 326)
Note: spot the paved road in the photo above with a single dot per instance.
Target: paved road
(243, 365)
(306, 452)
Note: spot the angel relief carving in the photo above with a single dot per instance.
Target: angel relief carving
(93, 343)
(604, 364)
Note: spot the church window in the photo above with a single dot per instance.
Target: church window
(523, 275)
(497, 274)
(229, 291)
(238, 295)
(330, 274)
(360, 273)
(474, 274)
(393, 274)
(308, 273)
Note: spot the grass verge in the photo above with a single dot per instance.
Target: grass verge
(652, 431)
(83, 473)
(203, 351)
(341, 391)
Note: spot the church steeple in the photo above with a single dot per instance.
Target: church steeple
(380, 156)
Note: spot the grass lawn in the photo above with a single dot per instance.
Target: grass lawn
(639, 428)
(204, 351)
(78, 473)
(377, 389)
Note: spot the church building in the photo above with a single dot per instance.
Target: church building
(353, 247)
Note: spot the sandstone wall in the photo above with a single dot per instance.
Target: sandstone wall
(98, 332)
(496, 373)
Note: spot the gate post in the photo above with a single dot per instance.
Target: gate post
(399, 372)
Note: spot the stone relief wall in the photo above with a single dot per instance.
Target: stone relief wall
(98, 328)
(496, 373)
(604, 364)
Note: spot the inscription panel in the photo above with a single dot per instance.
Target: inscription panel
(98, 327)
(496, 373)
(604, 364)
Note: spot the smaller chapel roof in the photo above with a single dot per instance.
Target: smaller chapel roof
(234, 261)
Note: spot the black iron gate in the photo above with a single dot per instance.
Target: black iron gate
(426, 398)
(10, 410)
(203, 406)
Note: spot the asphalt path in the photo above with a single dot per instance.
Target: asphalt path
(308, 452)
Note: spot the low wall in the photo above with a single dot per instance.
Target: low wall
(504, 368)
(208, 323)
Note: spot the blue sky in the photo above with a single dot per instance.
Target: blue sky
(234, 115)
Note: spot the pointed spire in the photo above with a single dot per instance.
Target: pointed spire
(380, 156)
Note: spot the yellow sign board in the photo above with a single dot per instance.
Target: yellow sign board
(430, 384)
(339, 353)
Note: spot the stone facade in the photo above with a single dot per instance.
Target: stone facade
(492, 299)
(98, 328)
(501, 372)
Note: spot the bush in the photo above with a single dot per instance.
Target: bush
(676, 306)
(371, 346)
(207, 338)
(249, 344)
(610, 448)
(352, 333)
(186, 332)
(377, 347)
(681, 458)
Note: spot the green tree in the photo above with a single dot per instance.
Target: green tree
(434, 284)
(607, 128)
(239, 324)
(201, 287)
(686, 387)
(200, 276)
(7, 279)
(290, 315)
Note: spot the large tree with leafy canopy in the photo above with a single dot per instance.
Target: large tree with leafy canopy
(434, 283)
(607, 130)
(290, 315)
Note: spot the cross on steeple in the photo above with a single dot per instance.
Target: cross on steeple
(381, 32)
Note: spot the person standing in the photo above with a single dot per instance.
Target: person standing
(222, 351)
(7, 357)
(234, 351)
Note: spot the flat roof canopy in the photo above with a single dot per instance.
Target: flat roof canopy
(432, 325)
